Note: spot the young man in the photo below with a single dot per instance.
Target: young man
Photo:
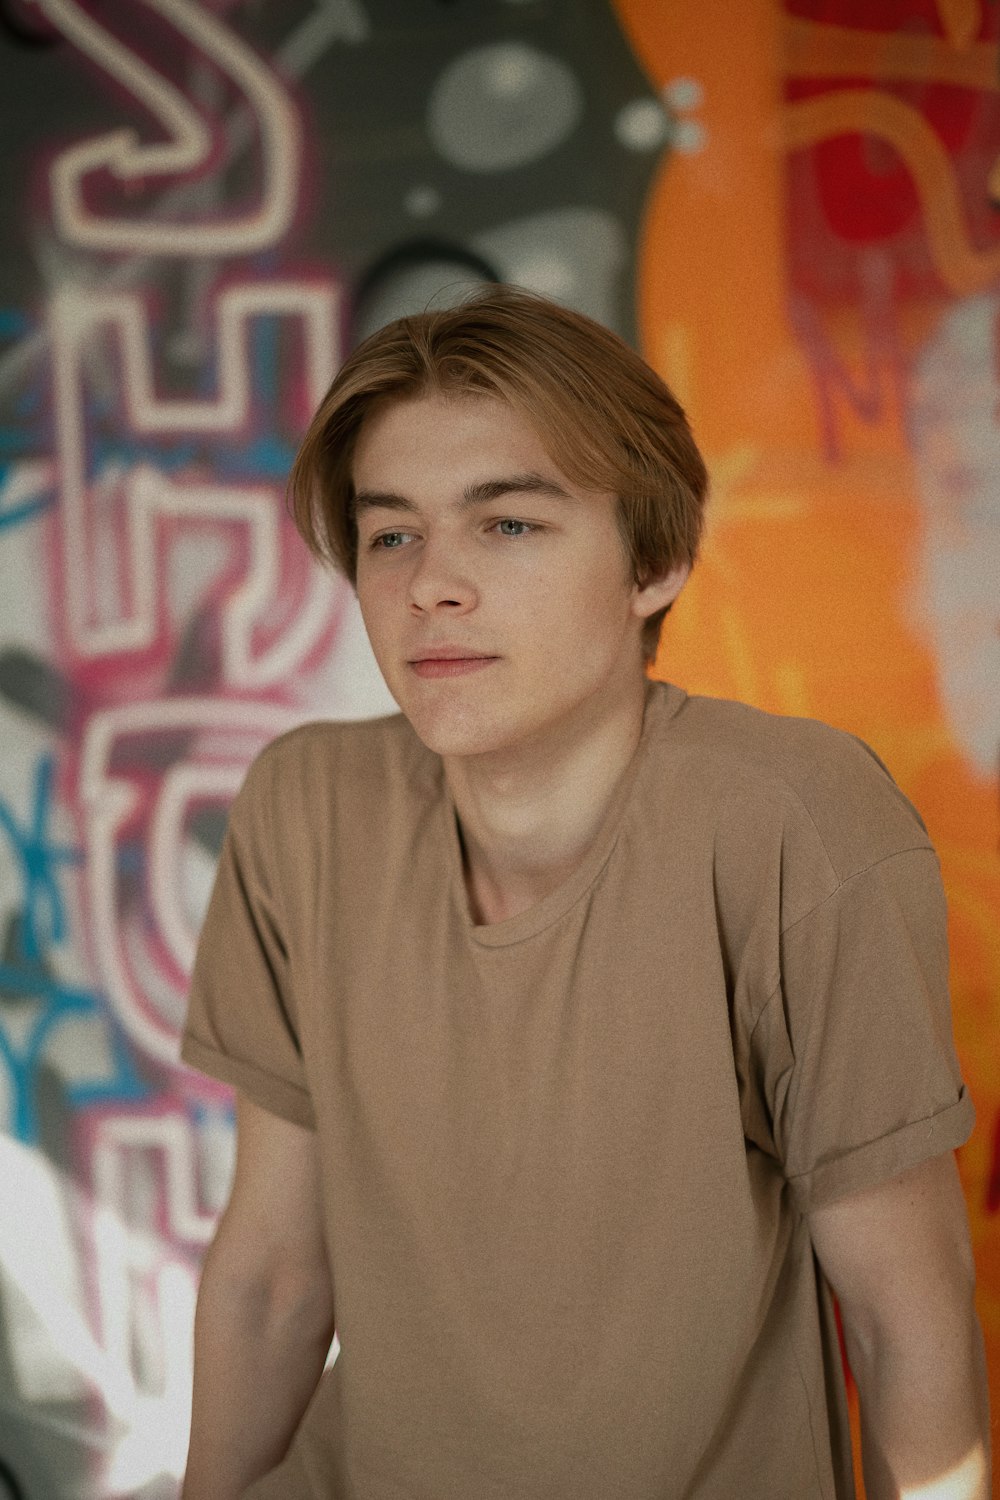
(584, 1032)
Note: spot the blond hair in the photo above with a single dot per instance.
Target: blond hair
(607, 420)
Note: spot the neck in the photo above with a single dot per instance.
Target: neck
(528, 816)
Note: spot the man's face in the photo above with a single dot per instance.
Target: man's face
(471, 542)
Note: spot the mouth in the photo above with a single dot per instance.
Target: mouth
(452, 665)
(450, 653)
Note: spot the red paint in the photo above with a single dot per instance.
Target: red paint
(993, 1183)
(854, 191)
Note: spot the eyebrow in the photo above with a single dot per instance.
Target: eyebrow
(481, 493)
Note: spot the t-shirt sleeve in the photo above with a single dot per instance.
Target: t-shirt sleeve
(853, 1050)
(241, 1024)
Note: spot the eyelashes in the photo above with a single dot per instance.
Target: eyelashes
(377, 542)
(387, 541)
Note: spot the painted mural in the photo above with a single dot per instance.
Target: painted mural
(820, 281)
(792, 209)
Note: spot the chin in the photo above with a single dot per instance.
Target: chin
(448, 730)
(451, 740)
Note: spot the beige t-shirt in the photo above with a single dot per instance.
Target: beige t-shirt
(567, 1156)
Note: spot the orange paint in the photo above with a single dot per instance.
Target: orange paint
(803, 601)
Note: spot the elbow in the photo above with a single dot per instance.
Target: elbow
(933, 1337)
(299, 1308)
(283, 1300)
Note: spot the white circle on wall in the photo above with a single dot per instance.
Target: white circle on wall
(502, 106)
(642, 125)
(684, 93)
(422, 201)
(689, 137)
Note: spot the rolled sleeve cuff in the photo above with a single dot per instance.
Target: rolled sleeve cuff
(275, 1094)
(887, 1156)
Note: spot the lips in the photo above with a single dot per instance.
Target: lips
(450, 653)
(452, 661)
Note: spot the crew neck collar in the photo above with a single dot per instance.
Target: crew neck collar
(661, 703)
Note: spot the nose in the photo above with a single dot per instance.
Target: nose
(441, 579)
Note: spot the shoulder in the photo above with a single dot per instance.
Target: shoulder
(822, 786)
(325, 762)
(330, 745)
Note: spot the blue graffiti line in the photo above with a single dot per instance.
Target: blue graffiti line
(264, 451)
(23, 442)
(264, 347)
(14, 323)
(22, 433)
(26, 975)
(39, 860)
(17, 515)
(16, 326)
(263, 455)
(61, 1002)
(125, 1082)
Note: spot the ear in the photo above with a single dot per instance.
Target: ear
(659, 591)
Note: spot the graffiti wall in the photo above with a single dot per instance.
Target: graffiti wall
(792, 209)
(820, 280)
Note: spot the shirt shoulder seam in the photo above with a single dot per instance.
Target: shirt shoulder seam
(856, 875)
(847, 880)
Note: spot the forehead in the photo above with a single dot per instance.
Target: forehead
(436, 431)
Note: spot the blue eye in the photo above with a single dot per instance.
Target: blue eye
(388, 540)
(510, 521)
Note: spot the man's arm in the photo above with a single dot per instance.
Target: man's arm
(898, 1257)
(264, 1322)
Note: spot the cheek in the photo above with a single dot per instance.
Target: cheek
(378, 596)
(593, 587)
(566, 612)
